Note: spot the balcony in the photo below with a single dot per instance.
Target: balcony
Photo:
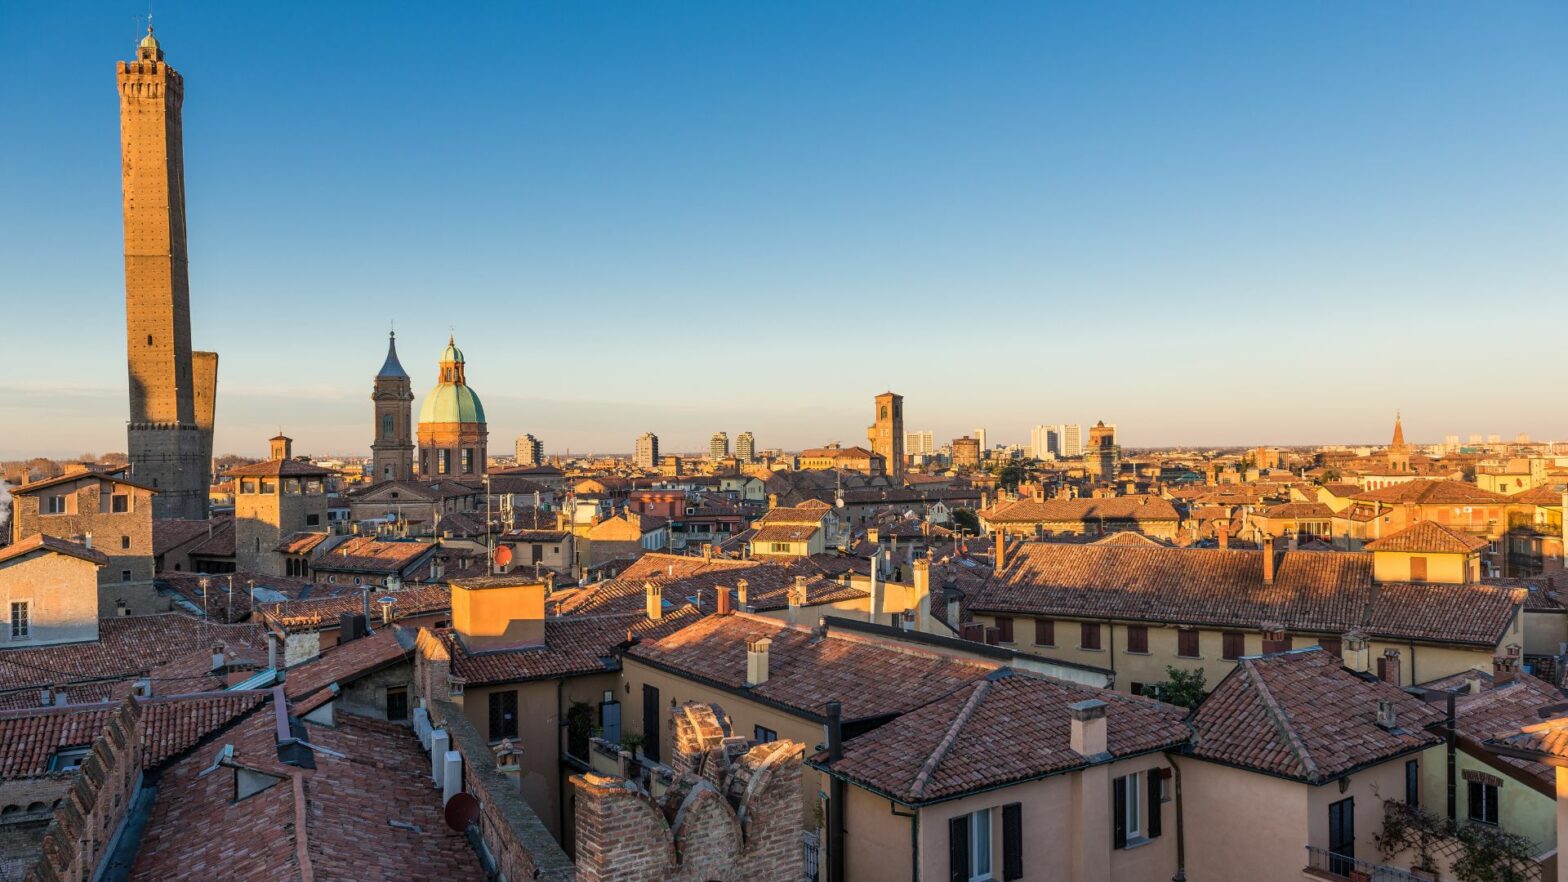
(1321, 864)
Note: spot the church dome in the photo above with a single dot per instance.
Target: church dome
(452, 403)
(451, 354)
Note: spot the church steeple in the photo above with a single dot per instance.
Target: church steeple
(392, 451)
(392, 367)
(1399, 433)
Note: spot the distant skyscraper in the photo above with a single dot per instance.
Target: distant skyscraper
(647, 455)
(919, 444)
(1071, 440)
(719, 445)
(1045, 442)
(887, 434)
(745, 447)
(979, 435)
(1451, 440)
(173, 390)
(530, 451)
(392, 451)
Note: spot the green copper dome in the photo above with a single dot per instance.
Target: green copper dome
(452, 403)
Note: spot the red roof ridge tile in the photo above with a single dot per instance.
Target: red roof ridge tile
(1280, 719)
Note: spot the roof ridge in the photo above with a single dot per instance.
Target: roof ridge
(1281, 720)
(923, 778)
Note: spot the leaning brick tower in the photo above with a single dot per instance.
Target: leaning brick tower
(173, 390)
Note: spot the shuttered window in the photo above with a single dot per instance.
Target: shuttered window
(958, 849)
(1012, 841)
(1156, 790)
(1119, 813)
(1089, 635)
(1235, 645)
(1044, 632)
(1004, 629)
(1331, 645)
(1187, 644)
(1137, 638)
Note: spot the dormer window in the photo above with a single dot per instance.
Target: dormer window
(68, 759)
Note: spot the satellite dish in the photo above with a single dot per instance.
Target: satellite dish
(461, 811)
(503, 555)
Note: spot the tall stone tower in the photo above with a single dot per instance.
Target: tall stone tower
(173, 390)
(887, 434)
(392, 453)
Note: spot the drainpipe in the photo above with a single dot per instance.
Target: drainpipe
(1453, 785)
(1181, 833)
(835, 796)
(914, 838)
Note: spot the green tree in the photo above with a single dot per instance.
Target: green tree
(1182, 688)
(966, 520)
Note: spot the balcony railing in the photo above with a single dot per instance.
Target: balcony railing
(1321, 862)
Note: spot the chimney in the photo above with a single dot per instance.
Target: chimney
(1505, 668)
(87, 539)
(724, 601)
(217, 658)
(741, 596)
(655, 601)
(954, 611)
(874, 536)
(1268, 560)
(1222, 531)
(1386, 718)
(1388, 667)
(1000, 541)
(773, 501)
(922, 598)
(365, 603)
(1473, 682)
(1088, 727)
(707, 551)
(797, 599)
(1355, 654)
(757, 661)
(835, 716)
(1290, 540)
(876, 602)
(272, 651)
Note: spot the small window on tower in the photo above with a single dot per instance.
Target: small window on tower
(149, 339)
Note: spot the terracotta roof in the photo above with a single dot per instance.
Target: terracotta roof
(366, 811)
(654, 564)
(220, 544)
(344, 663)
(1428, 536)
(1548, 740)
(785, 533)
(1031, 511)
(1544, 494)
(1313, 591)
(300, 543)
(367, 554)
(68, 477)
(28, 738)
(1128, 539)
(574, 645)
(1424, 491)
(800, 515)
(1299, 510)
(54, 544)
(1268, 714)
(1004, 728)
(1342, 490)
(169, 533)
(127, 647)
(279, 468)
(1500, 711)
(869, 677)
(316, 612)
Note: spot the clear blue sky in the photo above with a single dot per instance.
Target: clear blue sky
(1206, 222)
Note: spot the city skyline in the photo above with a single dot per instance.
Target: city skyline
(1382, 253)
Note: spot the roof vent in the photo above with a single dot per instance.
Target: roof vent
(1385, 715)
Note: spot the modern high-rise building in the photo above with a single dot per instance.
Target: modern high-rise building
(1071, 439)
(453, 436)
(647, 455)
(719, 445)
(745, 447)
(530, 451)
(887, 434)
(173, 390)
(392, 451)
(919, 443)
(1045, 442)
(979, 435)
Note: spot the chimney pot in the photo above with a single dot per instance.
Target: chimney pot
(1268, 560)
(724, 601)
(741, 597)
(655, 601)
(757, 661)
(1088, 737)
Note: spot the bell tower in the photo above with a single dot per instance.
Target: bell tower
(392, 451)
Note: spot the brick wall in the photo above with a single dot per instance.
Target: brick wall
(88, 821)
(733, 814)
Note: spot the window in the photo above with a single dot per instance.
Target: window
(1127, 814)
(1483, 802)
(979, 845)
(125, 542)
(1089, 635)
(1413, 782)
(763, 734)
(386, 425)
(1012, 841)
(468, 460)
(1418, 569)
(1235, 645)
(21, 624)
(1044, 632)
(312, 520)
(68, 759)
(54, 505)
(397, 702)
(503, 715)
(780, 547)
(1138, 638)
(1004, 629)
(1342, 836)
(120, 503)
(443, 462)
(1187, 644)
(125, 575)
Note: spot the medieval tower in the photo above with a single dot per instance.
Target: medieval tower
(887, 434)
(392, 453)
(173, 390)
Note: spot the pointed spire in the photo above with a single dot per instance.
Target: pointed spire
(1399, 433)
(392, 368)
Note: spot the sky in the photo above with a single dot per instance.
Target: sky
(1208, 223)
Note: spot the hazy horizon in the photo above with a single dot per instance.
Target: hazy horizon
(1216, 225)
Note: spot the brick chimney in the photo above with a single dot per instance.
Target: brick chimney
(1222, 532)
(654, 596)
(1505, 669)
(1268, 560)
(757, 661)
(724, 601)
(1388, 667)
(1088, 727)
(1000, 543)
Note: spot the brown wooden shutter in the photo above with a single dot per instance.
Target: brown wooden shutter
(1137, 638)
(1235, 644)
(1044, 632)
(1012, 841)
(1004, 628)
(958, 849)
(1119, 814)
(1155, 791)
(1090, 635)
(1187, 644)
(1418, 569)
